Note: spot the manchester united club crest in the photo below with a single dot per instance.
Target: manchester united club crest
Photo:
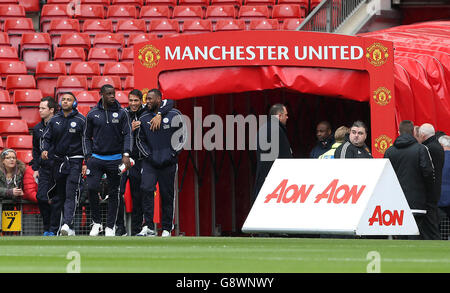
(149, 56)
(377, 54)
(144, 95)
(382, 96)
(382, 143)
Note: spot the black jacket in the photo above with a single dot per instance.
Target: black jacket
(412, 165)
(347, 150)
(322, 147)
(37, 161)
(161, 147)
(107, 132)
(63, 136)
(438, 157)
(263, 166)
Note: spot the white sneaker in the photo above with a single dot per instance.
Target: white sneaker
(110, 232)
(166, 233)
(96, 229)
(146, 232)
(66, 231)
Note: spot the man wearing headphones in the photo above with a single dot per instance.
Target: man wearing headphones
(62, 142)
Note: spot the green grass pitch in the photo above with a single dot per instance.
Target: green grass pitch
(220, 255)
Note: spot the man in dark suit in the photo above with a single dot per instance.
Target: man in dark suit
(274, 133)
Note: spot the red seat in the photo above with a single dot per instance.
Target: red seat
(170, 3)
(30, 114)
(122, 98)
(109, 40)
(14, 82)
(8, 54)
(4, 97)
(202, 3)
(9, 111)
(284, 11)
(52, 11)
(197, 26)
(12, 67)
(164, 26)
(83, 109)
(149, 13)
(130, 26)
(15, 27)
(87, 98)
(99, 81)
(127, 55)
(35, 47)
(4, 39)
(230, 25)
(24, 155)
(90, 11)
(264, 24)
(76, 40)
(139, 38)
(13, 126)
(187, 12)
(97, 26)
(97, 2)
(136, 3)
(249, 12)
(69, 55)
(291, 24)
(18, 142)
(88, 69)
(118, 12)
(235, 3)
(260, 2)
(103, 55)
(70, 83)
(121, 69)
(58, 1)
(62, 26)
(30, 97)
(30, 5)
(217, 12)
(129, 83)
(10, 11)
(47, 74)
(9, 2)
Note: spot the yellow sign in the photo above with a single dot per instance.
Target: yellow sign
(11, 221)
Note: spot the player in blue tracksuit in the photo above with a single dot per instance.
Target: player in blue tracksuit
(108, 142)
(135, 109)
(160, 149)
(43, 168)
(62, 142)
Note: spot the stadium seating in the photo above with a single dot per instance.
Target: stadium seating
(136, 3)
(250, 12)
(139, 38)
(29, 97)
(47, 74)
(88, 69)
(230, 25)
(24, 155)
(187, 12)
(5, 97)
(14, 82)
(87, 98)
(284, 11)
(103, 55)
(10, 11)
(9, 111)
(260, 2)
(15, 27)
(129, 83)
(99, 81)
(62, 26)
(109, 40)
(220, 12)
(163, 27)
(264, 24)
(235, 3)
(13, 126)
(52, 11)
(19, 142)
(35, 47)
(149, 13)
(291, 23)
(4, 39)
(170, 3)
(12, 67)
(197, 26)
(76, 40)
(83, 109)
(131, 26)
(201, 3)
(127, 55)
(70, 83)
(90, 11)
(122, 98)
(69, 55)
(8, 54)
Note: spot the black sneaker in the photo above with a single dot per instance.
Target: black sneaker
(121, 231)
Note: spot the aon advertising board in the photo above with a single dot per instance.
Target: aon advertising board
(353, 197)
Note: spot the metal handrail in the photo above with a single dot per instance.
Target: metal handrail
(329, 15)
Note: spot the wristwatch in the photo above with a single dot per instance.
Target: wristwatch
(159, 113)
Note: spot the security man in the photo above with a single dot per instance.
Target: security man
(108, 142)
(160, 149)
(62, 142)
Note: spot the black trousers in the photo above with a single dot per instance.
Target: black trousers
(430, 225)
(95, 170)
(165, 177)
(134, 176)
(46, 191)
(67, 194)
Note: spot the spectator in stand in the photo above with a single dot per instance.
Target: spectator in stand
(160, 149)
(108, 142)
(135, 110)
(412, 165)
(354, 146)
(325, 139)
(43, 168)
(444, 201)
(339, 137)
(62, 142)
(428, 138)
(11, 175)
(277, 147)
